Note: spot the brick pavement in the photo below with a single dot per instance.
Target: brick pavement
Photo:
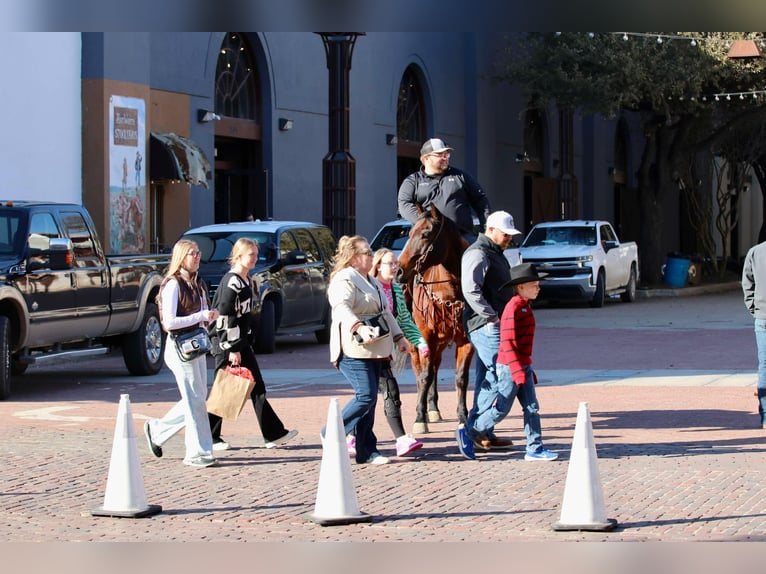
(676, 464)
(680, 451)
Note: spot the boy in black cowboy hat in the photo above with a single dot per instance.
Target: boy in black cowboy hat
(515, 377)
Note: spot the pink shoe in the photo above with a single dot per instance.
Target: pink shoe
(405, 444)
(351, 444)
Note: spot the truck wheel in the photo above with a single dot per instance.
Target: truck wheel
(5, 358)
(142, 349)
(265, 342)
(598, 296)
(630, 291)
(323, 334)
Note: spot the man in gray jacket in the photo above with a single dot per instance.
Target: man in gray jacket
(754, 289)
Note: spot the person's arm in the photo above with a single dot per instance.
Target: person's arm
(404, 318)
(406, 199)
(748, 283)
(477, 199)
(474, 269)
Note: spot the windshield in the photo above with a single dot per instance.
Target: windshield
(576, 235)
(12, 238)
(216, 247)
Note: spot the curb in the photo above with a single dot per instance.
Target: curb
(688, 291)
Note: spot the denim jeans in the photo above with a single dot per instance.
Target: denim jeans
(190, 412)
(760, 341)
(507, 390)
(486, 342)
(359, 413)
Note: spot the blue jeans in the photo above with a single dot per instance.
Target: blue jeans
(760, 342)
(359, 413)
(486, 342)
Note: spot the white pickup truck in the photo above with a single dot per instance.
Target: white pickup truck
(583, 261)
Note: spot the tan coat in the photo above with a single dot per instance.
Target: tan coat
(354, 298)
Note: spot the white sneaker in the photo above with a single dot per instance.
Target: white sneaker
(221, 445)
(406, 444)
(290, 435)
(377, 458)
(200, 461)
(351, 444)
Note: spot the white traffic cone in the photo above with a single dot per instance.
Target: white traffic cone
(125, 496)
(336, 498)
(583, 505)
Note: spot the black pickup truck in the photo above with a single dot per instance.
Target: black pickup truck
(62, 297)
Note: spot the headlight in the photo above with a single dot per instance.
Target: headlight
(584, 258)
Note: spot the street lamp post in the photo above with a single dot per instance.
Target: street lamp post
(339, 166)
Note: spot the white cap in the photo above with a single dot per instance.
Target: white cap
(433, 145)
(503, 221)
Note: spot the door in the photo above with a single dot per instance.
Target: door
(49, 294)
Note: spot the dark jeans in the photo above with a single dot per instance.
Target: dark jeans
(270, 424)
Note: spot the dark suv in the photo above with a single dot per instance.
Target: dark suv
(295, 259)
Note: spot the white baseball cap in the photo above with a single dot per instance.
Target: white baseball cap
(503, 221)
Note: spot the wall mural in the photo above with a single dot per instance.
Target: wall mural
(127, 174)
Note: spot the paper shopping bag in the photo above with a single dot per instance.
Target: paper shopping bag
(231, 388)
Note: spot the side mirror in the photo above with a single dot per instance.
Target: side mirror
(296, 257)
(61, 253)
(609, 245)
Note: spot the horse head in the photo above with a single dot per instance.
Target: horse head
(434, 240)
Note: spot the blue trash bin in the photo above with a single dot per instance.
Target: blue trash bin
(676, 271)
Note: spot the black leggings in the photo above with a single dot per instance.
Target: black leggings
(270, 424)
(392, 404)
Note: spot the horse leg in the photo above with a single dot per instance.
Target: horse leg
(420, 426)
(463, 355)
(434, 416)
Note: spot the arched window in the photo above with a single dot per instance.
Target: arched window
(241, 180)
(236, 93)
(410, 124)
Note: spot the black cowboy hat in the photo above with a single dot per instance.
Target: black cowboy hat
(524, 273)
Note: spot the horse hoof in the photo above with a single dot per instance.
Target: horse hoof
(419, 428)
(434, 417)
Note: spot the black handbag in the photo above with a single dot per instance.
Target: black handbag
(192, 344)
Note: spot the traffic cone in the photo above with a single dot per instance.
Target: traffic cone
(583, 505)
(336, 498)
(125, 496)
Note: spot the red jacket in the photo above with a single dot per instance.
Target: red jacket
(517, 335)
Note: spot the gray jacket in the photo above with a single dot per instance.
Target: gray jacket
(484, 277)
(754, 281)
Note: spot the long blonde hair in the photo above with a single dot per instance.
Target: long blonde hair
(347, 248)
(241, 246)
(180, 250)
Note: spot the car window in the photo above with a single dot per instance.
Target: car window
(82, 240)
(392, 236)
(286, 244)
(216, 246)
(307, 244)
(326, 241)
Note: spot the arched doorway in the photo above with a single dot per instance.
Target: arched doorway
(625, 200)
(410, 124)
(540, 193)
(241, 181)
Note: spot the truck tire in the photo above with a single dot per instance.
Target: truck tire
(598, 296)
(630, 291)
(265, 341)
(142, 349)
(5, 358)
(323, 334)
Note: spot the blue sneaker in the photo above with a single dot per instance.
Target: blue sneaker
(464, 443)
(541, 454)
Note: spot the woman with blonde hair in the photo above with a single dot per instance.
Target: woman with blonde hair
(231, 342)
(357, 349)
(184, 307)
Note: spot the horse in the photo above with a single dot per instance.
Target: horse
(429, 269)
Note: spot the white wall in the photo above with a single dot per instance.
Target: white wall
(41, 101)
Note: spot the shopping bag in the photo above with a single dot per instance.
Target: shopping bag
(231, 389)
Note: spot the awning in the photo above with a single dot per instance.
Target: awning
(176, 157)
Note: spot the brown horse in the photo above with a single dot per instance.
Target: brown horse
(430, 270)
